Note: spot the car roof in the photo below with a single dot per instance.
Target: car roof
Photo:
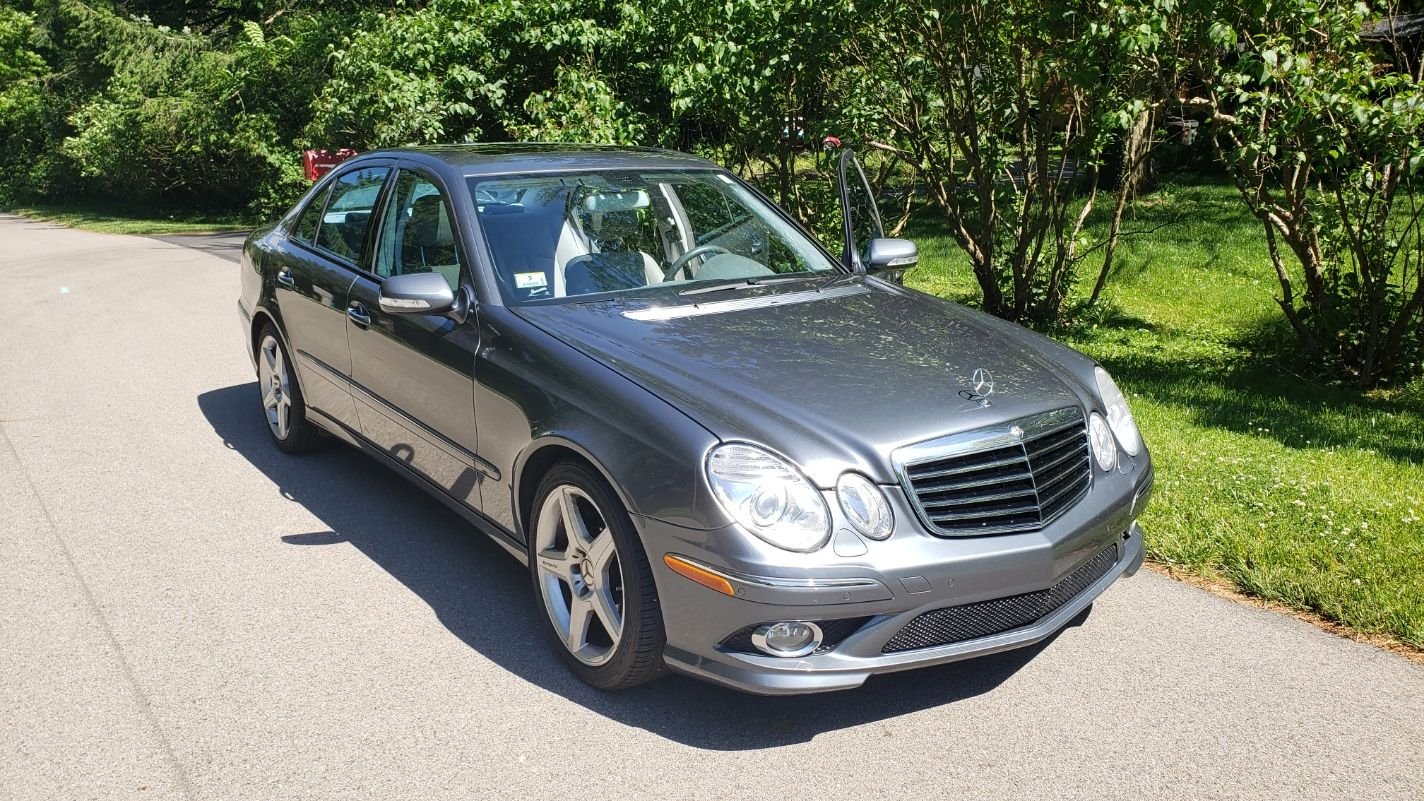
(473, 160)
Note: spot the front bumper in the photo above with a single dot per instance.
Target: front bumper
(888, 585)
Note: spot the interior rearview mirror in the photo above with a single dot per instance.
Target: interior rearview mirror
(891, 254)
(416, 293)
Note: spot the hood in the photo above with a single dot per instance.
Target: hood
(833, 374)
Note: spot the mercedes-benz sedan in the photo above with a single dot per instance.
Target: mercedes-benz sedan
(719, 447)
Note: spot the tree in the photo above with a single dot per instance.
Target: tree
(22, 70)
(1323, 140)
(468, 70)
(1004, 110)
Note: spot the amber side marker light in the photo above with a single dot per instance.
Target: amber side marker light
(701, 575)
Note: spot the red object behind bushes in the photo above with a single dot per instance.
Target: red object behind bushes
(317, 163)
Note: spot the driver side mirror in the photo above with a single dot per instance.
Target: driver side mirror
(883, 255)
(416, 293)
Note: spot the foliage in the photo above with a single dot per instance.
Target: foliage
(1005, 111)
(759, 86)
(22, 110)
(468, 70)
(1325, 146)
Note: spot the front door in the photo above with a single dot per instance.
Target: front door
(413, 374)
(860, 213)
(314, 276)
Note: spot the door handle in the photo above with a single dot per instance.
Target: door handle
(358, 314)
(286, 279)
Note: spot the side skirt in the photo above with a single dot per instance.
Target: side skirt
(488, 527)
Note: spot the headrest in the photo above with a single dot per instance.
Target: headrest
(427, 225)
(602, 202)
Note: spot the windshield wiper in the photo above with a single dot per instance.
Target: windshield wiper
(743, 283)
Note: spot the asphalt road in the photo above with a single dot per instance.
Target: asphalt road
(187, 613)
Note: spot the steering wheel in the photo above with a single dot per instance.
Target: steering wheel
(682, 260)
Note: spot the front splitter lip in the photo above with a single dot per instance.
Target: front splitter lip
(765, 675)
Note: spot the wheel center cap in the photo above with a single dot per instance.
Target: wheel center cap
(586, 570)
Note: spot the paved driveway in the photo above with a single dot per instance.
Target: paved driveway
(187, 613)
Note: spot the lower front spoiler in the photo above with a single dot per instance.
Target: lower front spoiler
(766, 675)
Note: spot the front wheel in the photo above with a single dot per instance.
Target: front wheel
(593, 581)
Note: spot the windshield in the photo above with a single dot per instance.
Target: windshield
(616, 233)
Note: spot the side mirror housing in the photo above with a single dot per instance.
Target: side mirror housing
(416, 293)
(889, 255)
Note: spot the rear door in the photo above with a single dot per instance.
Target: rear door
(315, 269)
(413, 374)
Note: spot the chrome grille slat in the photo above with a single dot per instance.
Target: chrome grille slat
(1052, 481)
(1061, 455)
(1016, 459)
(991, 481)
(975, 515)
(931, 487)
(1058, 494)
(1058, 441)
(997, 496)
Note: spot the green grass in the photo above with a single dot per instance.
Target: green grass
(1299, 493)
(118, 219)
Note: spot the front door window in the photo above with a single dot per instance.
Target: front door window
(417, 235)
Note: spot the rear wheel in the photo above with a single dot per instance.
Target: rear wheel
(282, 402)
(593, 581)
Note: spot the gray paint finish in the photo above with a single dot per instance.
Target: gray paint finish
(834, 372)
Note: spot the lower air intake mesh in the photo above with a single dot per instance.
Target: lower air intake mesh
(972, 621)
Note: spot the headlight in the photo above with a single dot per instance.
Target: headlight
(865, 506)
(769, 497)
(1119, 417)
(1104, 448)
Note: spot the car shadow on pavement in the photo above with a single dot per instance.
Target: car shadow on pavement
(485, 598)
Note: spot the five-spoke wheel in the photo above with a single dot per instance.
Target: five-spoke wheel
(281, 397)
(580, 577)
(276, 386)
(593, 579)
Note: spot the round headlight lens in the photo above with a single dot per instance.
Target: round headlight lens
(865, 506)
(769, 497)
(1119, 416)
(1104, 446)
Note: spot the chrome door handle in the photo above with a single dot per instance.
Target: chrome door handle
(286, 279)
(358, 315)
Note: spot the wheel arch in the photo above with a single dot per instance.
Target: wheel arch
(262, 317)
(538, 459)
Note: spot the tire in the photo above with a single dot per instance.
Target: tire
(282, 404)
(586, 582)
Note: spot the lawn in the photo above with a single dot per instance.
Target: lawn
(1284, 488)
(112, 218)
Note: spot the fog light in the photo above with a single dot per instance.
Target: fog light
(787, 639)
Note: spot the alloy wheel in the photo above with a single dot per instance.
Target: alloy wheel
(275, 384)
(580, 575)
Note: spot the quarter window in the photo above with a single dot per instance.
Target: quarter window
(348, 212)
(417, 234)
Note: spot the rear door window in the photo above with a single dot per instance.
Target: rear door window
(305, 229)
(348, 212)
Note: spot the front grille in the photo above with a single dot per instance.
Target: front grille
(833, 632)
(972, 621)
(1018, 476)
